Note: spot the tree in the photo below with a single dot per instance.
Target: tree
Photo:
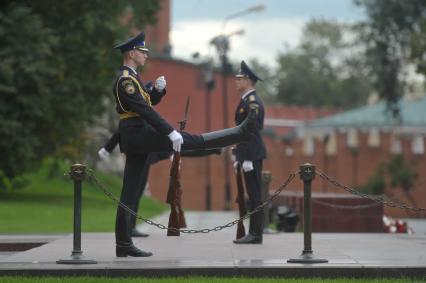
(324, 70)
(395, 33)
(57, 67)
(398, 173)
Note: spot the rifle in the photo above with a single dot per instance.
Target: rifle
(241, 203)
(174, 194)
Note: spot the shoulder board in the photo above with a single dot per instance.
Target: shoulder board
(125, 73)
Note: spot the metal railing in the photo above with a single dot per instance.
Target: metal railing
(78, 173)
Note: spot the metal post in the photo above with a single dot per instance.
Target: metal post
(208, 160)
(77, 173)
(266, 180)
(307, 174)
(209, 84)
(226, 125)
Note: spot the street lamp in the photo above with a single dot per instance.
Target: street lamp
(207, 68)
(256, 8)
(221, 42)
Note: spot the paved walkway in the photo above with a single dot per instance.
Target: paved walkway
(382, 255)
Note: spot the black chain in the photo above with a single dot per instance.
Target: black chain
(91, 177)
(276, 180)
(332, 205)
(390, 203)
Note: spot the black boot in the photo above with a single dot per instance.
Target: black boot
(125, 251)
(124, 245)
(231, 136)
(255, 231)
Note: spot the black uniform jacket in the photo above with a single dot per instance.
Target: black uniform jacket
(142, 129)
(254, 149)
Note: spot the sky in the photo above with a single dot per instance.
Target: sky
(267, 33)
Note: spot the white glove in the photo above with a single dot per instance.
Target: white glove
(176, 140)
(103, 154)
(160, 83)
(247, 166)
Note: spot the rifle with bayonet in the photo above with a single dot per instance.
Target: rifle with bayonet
(241, 202)
(174, 194)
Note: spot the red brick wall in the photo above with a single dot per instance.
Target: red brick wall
(349, 170)
(157, 36)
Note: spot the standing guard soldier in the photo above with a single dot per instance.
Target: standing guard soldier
(142, 131)
(250, 154)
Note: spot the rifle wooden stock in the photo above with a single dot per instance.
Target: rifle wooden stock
(241, 202)
(172, 197)
(174, 194)
(182, 221)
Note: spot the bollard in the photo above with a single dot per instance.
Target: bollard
(307, 174)
(266, 180)
(77, 173)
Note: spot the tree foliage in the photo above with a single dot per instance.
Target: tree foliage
(395, 34)
(396, 173)
(324, 70)
(57, 68)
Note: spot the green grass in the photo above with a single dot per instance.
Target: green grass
(202, 280)
(45, 205)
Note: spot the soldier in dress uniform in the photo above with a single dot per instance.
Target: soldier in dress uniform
(152, 158)
(142, 131)
(250, 154)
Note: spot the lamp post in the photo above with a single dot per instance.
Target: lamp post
(208, 85)
(221, 42)
(256, 8)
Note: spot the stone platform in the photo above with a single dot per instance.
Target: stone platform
(214, 254)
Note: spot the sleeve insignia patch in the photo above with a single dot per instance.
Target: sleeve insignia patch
(252, 98)
(130, 89)
(128, 86)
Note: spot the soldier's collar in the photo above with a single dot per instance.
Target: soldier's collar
(247, 93)
(133, 71)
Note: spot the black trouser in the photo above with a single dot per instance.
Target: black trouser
(151, 159)
(143, 182)
(132, 184)
(253, 183)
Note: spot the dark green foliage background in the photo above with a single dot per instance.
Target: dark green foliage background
(56, 74)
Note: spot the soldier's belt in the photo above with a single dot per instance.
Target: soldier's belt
(128, 115)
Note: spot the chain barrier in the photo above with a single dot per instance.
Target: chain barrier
(91, 177)
(276, 180)
(332, 205)
(388, 202)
